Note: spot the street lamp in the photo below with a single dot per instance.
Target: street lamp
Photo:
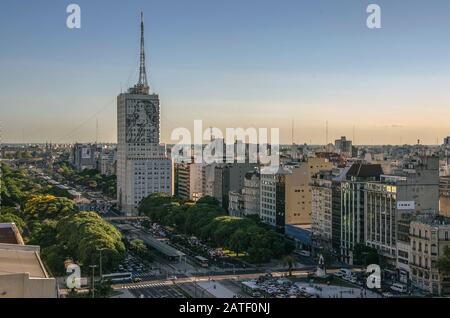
(93, 281)
(101, 267)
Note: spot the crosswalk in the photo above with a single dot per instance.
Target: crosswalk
(145, 285)
(152, 290)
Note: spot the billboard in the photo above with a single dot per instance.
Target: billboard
(405, 205)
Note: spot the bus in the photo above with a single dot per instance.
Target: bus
(202, 261)
(118, 277)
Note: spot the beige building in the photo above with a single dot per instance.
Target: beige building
(429, 237)
(22, 273)
(298, 190)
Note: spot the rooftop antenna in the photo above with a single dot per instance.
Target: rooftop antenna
(292, 131)
(354, 140)
(142, 85)
(96, 130)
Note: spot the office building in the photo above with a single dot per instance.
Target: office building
(298, 189)
(220, 179)
(393, 202)
(273, 196)
(143, 166)
(189, 181)
(343, 146)
(352, 207)
(251, 192)
(84, 156)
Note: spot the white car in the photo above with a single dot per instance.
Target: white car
(400, 288)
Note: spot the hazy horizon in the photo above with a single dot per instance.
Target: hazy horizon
(230, 64)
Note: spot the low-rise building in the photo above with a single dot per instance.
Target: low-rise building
(22, 273)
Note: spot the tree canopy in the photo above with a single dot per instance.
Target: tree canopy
(209, 222)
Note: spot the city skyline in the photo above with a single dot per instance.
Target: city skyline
(258, 66)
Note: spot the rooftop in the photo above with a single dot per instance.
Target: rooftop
(361, 170)
(161, 246)
(21, 259)
(9, 234)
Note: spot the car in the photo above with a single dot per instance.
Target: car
(345, 272)
(338, 274)
(388, 295)
(137, 280)
(400, 288)
(172, 277)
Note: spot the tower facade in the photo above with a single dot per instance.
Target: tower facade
(143, 166)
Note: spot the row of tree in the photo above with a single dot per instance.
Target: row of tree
(89, 177)
(57, 226)
(210, 223)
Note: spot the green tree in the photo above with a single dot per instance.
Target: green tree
(365, 255)
(139, 248)
(42, 207)
(84, 234)
(443, 263)
(289, 261)
(208, 200)
(13, 218)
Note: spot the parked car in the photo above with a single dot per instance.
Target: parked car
(400, 288)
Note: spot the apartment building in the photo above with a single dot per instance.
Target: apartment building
(298, 190)
(429, 237)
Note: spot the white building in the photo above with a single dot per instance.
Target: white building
(272, 194)
(143, 166)
(321, 208)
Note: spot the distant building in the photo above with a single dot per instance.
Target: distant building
(447, 141)
(84, 156)
(220, 179)
(429, 237)
(22, 273)
(108, 162)
(343, 146)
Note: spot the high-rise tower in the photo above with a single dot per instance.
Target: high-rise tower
(142, 163)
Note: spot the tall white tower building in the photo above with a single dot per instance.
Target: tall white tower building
(143, 166)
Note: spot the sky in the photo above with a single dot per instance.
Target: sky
(233, 63)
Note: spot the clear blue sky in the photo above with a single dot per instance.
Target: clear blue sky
(231, 63)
